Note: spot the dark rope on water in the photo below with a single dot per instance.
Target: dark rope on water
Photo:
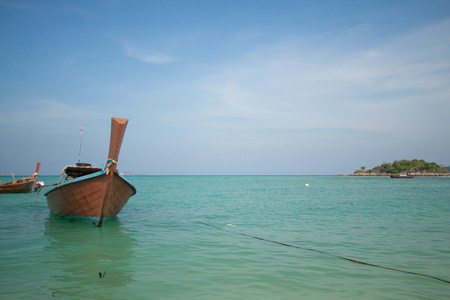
(325, 253)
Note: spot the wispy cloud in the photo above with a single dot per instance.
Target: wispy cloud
(148, 57)
(296, 85)
(46, 114)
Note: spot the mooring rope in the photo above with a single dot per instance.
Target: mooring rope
(325, 253)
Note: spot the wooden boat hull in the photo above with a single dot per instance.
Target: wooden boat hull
(97, 196)
(24, 185)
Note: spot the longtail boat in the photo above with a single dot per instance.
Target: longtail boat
(95, 193)
(405, 176)
(23, 185)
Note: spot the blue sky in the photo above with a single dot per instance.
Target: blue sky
(225, 87)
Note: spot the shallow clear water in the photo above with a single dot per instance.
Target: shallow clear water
(192, 237)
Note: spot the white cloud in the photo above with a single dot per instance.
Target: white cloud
(294, 85)
(150, 58)
(47, 114)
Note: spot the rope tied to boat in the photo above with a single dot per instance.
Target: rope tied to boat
(325, 253)
(109, 162)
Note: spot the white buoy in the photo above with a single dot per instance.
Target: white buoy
(306, 185)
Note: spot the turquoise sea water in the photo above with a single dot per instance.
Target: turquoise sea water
(194, 237)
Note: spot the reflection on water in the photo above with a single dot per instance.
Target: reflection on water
(79, 252)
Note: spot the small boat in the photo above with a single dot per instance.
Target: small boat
(401, 176)
(23, 185)
(95, 193)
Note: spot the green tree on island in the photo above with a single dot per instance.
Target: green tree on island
(408, 166)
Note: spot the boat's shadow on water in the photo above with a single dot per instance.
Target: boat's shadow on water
(84, 260)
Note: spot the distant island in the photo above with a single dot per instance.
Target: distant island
(413, 167)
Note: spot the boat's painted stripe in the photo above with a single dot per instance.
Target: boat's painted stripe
(86, 177)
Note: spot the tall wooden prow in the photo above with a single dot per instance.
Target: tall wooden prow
(118, 127)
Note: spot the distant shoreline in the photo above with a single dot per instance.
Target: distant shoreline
(362, 174)
(387, 175)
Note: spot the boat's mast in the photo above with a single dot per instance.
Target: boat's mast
(81, 139)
